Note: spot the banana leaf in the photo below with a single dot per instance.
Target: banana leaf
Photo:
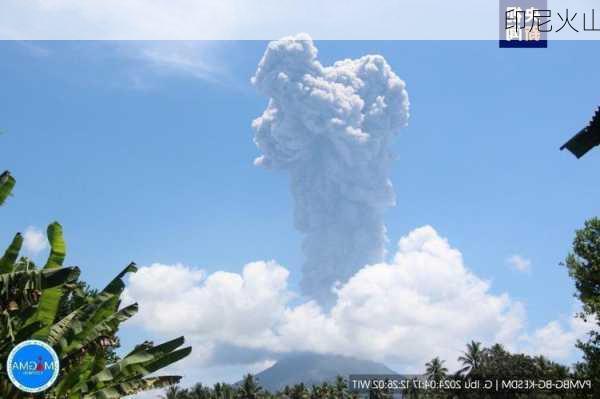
(7, 182)
(9, 258)
(50, 301)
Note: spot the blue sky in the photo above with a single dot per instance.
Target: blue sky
(148, 161)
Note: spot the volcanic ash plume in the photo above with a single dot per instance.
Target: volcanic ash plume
(331, 129)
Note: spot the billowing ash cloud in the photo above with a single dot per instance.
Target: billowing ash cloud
(331, 129)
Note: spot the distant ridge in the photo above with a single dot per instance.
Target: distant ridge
(312, 369)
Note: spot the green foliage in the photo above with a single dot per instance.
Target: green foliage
(435, 369)
(19, 294)
(12, 253)
(497, 364)
(80, 323)
(249, 388)
(471, 358)
(493, 363)
(48, 306)
(7, 182)
(583, 264)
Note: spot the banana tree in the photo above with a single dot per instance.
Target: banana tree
(31, 299)
(32, 306)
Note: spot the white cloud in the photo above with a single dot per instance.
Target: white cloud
(557, 339)
(196, 59)
(519, 263)
(246, 20)
(114, 19)
(142, 63)
(424, 302)
(34, 241)
(241, 19)
(228, 307)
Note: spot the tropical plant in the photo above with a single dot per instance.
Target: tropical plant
(249, 389)
(583, 264)
(497, 364)
(341, 388)
(174, 392)
(471, 358)
(7, 182)
(298, 391)
(435, 369)
(48, 304)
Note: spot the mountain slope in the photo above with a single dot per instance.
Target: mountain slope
(311, 368)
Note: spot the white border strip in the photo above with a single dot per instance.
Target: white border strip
(262, 19)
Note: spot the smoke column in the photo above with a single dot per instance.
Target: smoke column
(331, 128)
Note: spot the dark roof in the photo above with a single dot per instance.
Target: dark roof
(586, 139)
